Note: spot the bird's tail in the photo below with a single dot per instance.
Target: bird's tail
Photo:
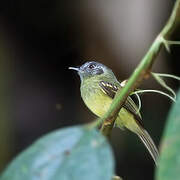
(148, 142)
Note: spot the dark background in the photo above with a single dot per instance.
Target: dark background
(40, 39)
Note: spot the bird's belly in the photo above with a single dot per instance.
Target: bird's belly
(97, 102)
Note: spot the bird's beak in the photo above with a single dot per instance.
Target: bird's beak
(74, 68)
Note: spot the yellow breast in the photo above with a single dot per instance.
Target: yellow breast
(94, 98)
(98, 102)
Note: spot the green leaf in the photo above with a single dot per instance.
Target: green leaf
(169, 162)
(75, 153)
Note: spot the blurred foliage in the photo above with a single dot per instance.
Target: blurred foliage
(45, 38)
(169, 162)
(70, 153)
(117, 178)
(5, 125)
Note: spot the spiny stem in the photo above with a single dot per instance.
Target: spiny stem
(168, 75)
(141, 72)
(163, 84)
(155, 91)
(139, 102)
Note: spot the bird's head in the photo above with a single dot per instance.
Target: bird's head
(91, 69)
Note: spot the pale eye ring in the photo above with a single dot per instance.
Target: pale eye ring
(91, 66)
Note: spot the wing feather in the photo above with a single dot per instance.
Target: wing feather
(111, 89)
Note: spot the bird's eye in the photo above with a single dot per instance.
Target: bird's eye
(91, 66)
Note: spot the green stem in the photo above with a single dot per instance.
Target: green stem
(141, 72)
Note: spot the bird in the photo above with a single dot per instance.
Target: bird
(98, 87)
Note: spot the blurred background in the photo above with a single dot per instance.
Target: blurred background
(40, 39)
